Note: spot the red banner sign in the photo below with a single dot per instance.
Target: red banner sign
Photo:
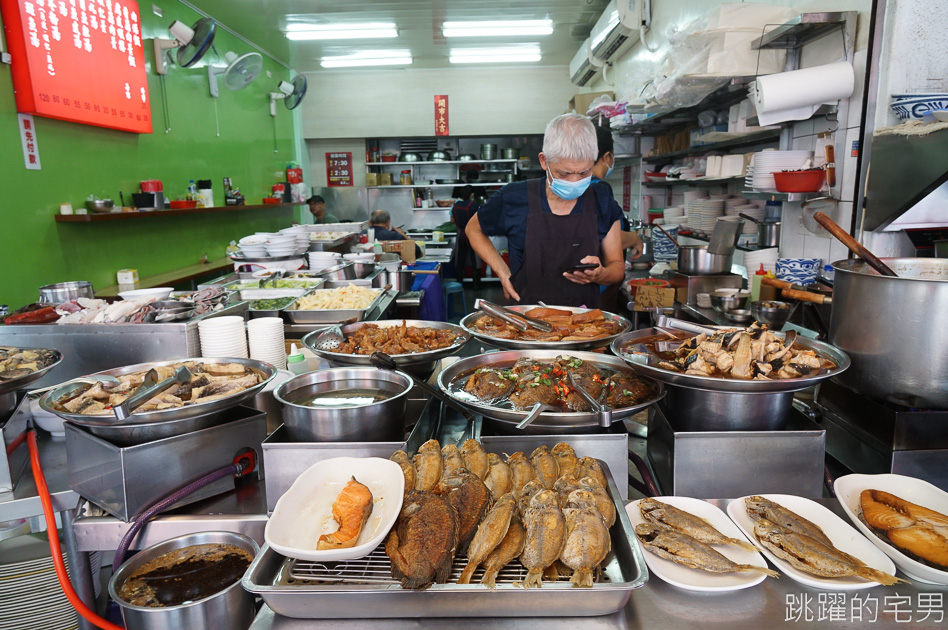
(627, 188)
(339, 169)
(79, 60)
(441, 115)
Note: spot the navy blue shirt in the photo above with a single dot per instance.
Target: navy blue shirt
(505, 214)
(381, 234)
(623, 221)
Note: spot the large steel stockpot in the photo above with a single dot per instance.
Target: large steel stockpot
(696, 260)
(895, 330)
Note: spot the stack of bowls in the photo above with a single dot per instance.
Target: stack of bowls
(253, 246)
(301, 236)
(664, 249)
(323, 260)
(265, 335)
(223, 337)
(916, 106)
(281, 245)
(798, 270)
(766, 257)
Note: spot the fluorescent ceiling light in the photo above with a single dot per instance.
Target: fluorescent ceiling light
(497, 28)
(503, 54)
(369, 58)
(302, 31)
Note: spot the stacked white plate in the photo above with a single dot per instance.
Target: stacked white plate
(323, 260)
(704, 212)
(265, 335)
(30, 595)
(281, 245)
(301, 236)
(760, 176)
(253, 246)
(734, 207)
(366, 257)
(673, 214)
(766, 257)
(223, 337)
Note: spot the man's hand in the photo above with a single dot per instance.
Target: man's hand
(509, 292)
(586, 277)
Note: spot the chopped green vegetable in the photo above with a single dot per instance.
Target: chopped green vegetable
(271, 304)
(546, 381)
(291, 283)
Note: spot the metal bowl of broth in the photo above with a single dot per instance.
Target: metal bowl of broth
(353, 404)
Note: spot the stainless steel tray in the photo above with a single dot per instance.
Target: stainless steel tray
(636, 355)
(329, 316)
(402, 360)
(546, 422)
(14, 384)
(364, 588)
(516, 344)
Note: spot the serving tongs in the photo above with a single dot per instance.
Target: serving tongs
(603, 411)
(150, 388)
(518, 320)
(273, 277)
(386, 362)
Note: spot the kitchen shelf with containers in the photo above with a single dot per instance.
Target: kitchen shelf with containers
(417, 169)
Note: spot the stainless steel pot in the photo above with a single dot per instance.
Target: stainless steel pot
(704, 410)
(768, 234)
(439, 156)
(229, 609)
(400, 279)
(488, 151)
(696, 260)
(65, 291)
(511, 154)
(895, 330)
(342, 271)
(376, 422)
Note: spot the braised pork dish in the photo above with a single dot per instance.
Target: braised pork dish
(567, 326)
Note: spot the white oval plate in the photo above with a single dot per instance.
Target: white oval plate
(842, 535)
(304, 512)
(696, 579)
(849, 488)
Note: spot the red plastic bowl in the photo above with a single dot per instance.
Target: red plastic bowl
(655, 176)
(271, 201)
(800, 181)
(180, 204)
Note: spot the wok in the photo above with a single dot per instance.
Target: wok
(19, 383)
(423, 361)
(548, 422)
(633, 351)
(467, 323)
(155, 425)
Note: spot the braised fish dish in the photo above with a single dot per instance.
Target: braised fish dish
(20, 362)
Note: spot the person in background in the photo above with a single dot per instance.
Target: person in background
(381, 222)
(554, 224)
(602, 169)
(317, 207)
(461, 212)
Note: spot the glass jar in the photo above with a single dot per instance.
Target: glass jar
(405, 179)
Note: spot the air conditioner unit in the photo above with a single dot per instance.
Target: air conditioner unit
(584, 66)
(618, 26)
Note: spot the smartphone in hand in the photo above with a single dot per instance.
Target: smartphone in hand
(584, 267)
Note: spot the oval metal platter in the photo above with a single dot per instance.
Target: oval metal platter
(14, 384)
(516, 344)
(629, 348)
(413, 359)
(562, 419)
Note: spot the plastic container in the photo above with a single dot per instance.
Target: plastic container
(405, 178)
(767, 292)
(800, 181)
(296, 362)
(756, 285)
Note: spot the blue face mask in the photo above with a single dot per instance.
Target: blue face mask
(611, 168)
(565, 189)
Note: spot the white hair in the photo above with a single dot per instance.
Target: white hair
(570, 137)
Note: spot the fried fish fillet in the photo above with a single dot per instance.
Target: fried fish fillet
(422, 544)
(475, 458)
(490, 533)
(546, 536)
(687, 523)
(499, 478)
(587, 538)
(351, 510)
(670, 544)
(427, 463)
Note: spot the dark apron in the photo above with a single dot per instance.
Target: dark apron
(555, 243)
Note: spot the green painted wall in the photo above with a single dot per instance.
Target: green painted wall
(79, 160)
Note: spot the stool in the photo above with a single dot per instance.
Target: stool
(450, 288)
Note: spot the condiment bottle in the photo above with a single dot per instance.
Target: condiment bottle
(296, 362)
(767, 292)
(755, 283)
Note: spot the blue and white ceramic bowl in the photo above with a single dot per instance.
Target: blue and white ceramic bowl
(662, 246)
(918, 105)
(798, 270)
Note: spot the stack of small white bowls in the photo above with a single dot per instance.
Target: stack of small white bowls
(253, 246)
(766, 257)
(223, 337)
(266, 340)
(323, 260)
(736, 206)
(281, 245)
(301, 235)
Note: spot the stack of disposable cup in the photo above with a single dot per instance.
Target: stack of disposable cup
(223, 337)
(266, 340)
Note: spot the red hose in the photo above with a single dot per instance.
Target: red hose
(88, 614)
(15, 444)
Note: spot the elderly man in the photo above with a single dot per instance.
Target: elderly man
(554, 224)
(381, 222)
(317, 207)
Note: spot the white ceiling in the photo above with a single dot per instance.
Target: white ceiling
(418, 23)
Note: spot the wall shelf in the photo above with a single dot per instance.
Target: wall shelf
(718, 181)
(731, 94)
(801, 30)
(122, 216)
(403, 164)
(777, 196)
(759, 137)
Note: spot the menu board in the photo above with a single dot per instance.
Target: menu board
(339, 169)
(79, 60)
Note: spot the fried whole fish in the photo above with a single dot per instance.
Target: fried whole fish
(545, 466)
(470, 498)
(520, 469)
(604, 502)
(806, 554)
(351, 510)
(566, 459)
(490, 533)
(563, 487)
(589, 467)
(508, 549)
(408, 470)
(499, 478)
(687, 523)
(451, 459)
(670, 544)
(760, 508)
(475, 458)
(427, 463)
(526, 494)
(422, 544)
(546, 536)
(587, 538)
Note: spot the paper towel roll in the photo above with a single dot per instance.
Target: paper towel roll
(796, 95)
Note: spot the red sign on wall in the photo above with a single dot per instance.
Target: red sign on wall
(441, 115)
(339, 169)
(79, 60)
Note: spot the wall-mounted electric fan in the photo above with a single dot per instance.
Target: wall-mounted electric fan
(192, 43)
(239, 72)
(291, 93)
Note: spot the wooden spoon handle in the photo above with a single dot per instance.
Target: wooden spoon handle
(853, 245)
(773, 282)
(806, 296)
